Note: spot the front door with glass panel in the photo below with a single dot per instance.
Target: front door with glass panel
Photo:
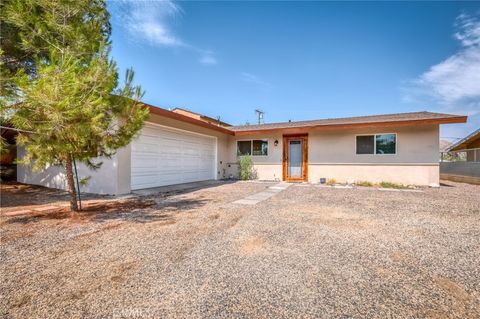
(295, 158)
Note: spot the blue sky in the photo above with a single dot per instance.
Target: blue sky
(303, 60)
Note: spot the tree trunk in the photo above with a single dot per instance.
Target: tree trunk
(71, 184)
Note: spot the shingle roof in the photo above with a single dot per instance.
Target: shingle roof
(385, 118)
(423, 118)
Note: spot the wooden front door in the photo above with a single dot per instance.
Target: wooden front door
(295, 158)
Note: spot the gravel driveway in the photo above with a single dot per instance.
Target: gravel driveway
(306, 252)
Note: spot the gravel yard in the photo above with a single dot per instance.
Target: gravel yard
(308, 252)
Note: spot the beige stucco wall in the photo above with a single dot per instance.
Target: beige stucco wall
(397, 173)
(415, 144)
(265, 167)
(332, 154)
(114, 175)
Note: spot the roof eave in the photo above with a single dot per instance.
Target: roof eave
(184, 118)
(303, 129)
(462, 144)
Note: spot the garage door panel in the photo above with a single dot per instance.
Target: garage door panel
(144, 163)
(190, 151)
(170, 149)
(205, 167)
(144, 147)
(161, 156)
(143, 181)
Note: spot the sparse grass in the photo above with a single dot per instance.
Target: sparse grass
(331, 181)
(364, 184)
(384, 184)
(392, 185)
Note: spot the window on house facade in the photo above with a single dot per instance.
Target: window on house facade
(376, 144)
(260, 147)
(253, 147)
(385, 143)
(244, 148)
(365, 144)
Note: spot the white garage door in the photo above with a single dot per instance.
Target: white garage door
(163, 156)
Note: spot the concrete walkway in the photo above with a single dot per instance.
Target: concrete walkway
(179, 187)
(264, 195)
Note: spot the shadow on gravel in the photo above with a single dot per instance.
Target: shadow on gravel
(181, 204)
(446, 185)
(136, 211)
(166, 191)
(14, 194)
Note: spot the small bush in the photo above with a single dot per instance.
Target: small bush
(364, 184)
(331, 181)
(391, 185)
(245, 165)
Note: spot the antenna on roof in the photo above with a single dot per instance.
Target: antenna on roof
(260, 115)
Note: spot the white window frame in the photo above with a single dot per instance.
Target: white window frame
(251, 146)
(375, 143)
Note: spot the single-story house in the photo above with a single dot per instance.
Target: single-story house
(461, 161)
(179, 146)
(470, 145)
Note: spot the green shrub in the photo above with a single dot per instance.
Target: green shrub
(391, 185)
(245, 165)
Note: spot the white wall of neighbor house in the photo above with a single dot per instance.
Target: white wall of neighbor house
(332, 154)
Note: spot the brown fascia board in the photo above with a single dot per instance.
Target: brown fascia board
(205, 117)
(303, 129)
(187, 119)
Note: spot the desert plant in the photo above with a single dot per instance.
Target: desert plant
(331, 181)
(392, 185)
(364, 183)
(245, 165)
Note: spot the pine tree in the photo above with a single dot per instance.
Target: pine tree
(69, 96)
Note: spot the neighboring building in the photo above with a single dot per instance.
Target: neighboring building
(175, 148)
(461, 160)
(470, 145)
(444, 145)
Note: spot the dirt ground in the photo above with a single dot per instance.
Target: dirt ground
(16, 196)
(308, 251)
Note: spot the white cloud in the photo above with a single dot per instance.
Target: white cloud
(469, 30)
(453, 85)
(252, 78)
(152, 22)
(208, 58)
